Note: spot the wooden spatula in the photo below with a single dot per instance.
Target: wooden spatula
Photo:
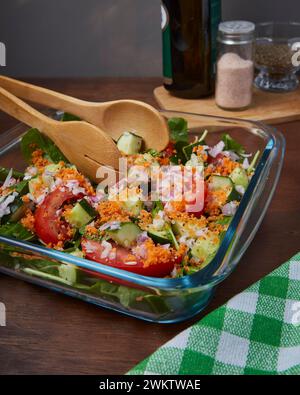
(85, 145)
(114, 117)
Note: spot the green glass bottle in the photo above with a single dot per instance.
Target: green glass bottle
(189, 46)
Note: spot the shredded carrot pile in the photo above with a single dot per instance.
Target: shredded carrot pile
(25, 199)
(145, 219)
(177, 207)
(200, 152)
(28, 221)
(38, 159)
(68, 174)
(66, 211)
(156, 254)
(164, 161)
(216, 199)
(226, 167)
(37, 187)
(188, 219)
(112, 211)
(91, 231)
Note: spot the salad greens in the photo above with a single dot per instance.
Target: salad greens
(232, 145)
(34, 140)
(53, 204)
(4, 173)
(17, 231)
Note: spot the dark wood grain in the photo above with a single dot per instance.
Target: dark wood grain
(49, 333)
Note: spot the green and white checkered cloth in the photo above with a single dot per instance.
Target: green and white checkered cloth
(256, 332)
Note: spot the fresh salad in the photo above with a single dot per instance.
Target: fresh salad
(54, 205)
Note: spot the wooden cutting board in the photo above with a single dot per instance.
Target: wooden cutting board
(268, 107)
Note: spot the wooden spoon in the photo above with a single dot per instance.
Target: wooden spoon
(114, 117)
(85, 145)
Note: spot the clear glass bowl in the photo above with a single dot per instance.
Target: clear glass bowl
(277, 56)
(163, 300)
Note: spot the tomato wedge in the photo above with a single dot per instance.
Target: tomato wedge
(195, 195)
(215, 161)
(169, 151)
(48, 225)
(93, 250)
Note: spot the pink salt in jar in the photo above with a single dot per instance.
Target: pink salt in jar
(235, 65)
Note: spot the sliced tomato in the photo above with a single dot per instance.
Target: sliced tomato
(195, 200)
(93, 250)
(169, 151)
(215, 161)
(48, 225)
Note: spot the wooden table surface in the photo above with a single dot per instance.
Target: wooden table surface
(48, 333)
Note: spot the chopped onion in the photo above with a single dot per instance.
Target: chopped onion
(217, 149)
(240, 190)
(229, 209)
(232, 155)
(114, 225)
(142, 237)
(246, 164)
(89, 247)
(107, 249)
(4, 205)
(7, 180)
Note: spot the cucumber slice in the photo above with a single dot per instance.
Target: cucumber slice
(239, 177)
(69, 273)
(160, 236)
(183, 228)
(129, 143)
(81, 214)
(126, 235)
(225, 184)
(165, 236)
(134, 205)
(53, 168)
(88, 208)
(32, 185)
(221, 183)
(205, 248)
(78, 253)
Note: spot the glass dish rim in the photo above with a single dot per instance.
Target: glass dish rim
(275, 142)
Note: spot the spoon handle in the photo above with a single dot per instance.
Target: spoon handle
(47, 97)
(25, 113)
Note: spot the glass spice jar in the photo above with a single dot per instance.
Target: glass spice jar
(235, 65)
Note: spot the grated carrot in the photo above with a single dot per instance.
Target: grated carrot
(28, 220)
(112, 211)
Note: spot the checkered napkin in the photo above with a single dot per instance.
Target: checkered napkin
(256, 332)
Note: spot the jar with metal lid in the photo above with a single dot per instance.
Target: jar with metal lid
(235, 65)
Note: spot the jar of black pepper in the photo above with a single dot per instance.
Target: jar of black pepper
(235, 66)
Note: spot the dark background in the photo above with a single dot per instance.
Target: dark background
(90, 38)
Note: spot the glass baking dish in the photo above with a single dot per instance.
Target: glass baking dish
(163, 300)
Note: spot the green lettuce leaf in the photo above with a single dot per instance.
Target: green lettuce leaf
(232, 145)
(33, 140)
(178, 130)
(17, 231)
(4, 173)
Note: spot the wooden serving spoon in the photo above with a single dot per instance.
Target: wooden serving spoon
(85, 145)
(114, 117)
